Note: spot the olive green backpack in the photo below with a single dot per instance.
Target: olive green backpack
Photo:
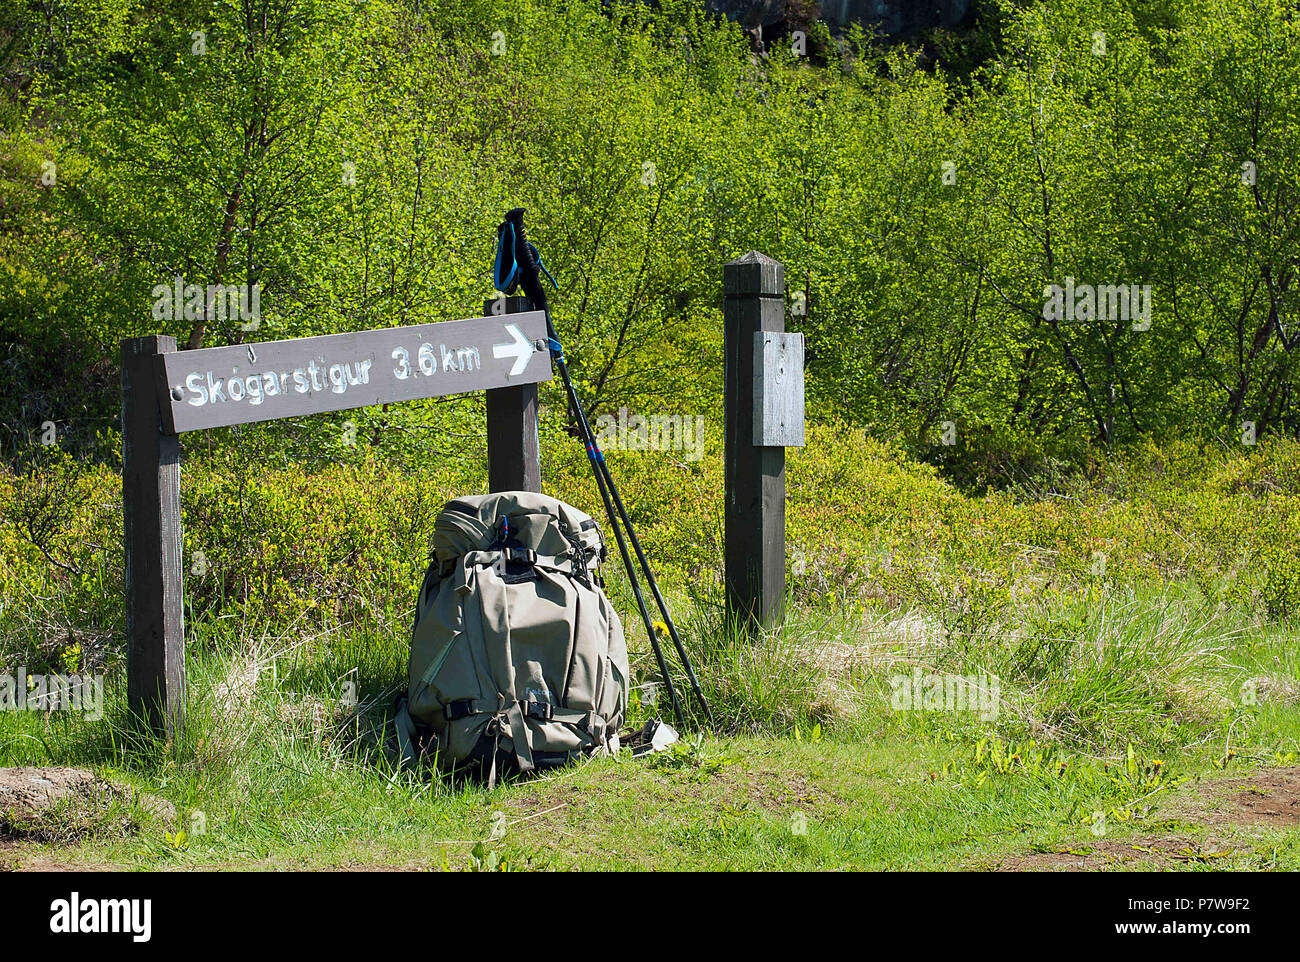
(518, 660)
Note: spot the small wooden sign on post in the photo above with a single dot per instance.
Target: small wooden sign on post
(166, 392)
(764, 398)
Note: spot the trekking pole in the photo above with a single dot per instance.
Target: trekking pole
(653, 582)
(524, 255)
(659, 598)
(533, 289)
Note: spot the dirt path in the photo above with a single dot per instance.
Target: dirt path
(1218, 819)
(1223, 821)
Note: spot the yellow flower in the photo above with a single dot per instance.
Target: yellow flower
(660, 627)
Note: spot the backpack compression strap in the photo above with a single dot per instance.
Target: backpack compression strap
(591, 722)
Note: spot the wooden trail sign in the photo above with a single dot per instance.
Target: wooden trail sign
(219, 386)
(166, 392)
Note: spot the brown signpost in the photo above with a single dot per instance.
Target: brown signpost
(514, 447)
(151, 512)
(166, 392)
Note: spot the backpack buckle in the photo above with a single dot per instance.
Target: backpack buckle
(513, 565)
(537, 709)
(457, 710)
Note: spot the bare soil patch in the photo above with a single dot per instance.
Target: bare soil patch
(1104, 854)
(1271, 798)
(60, 805)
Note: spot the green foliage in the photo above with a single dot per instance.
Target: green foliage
(1118, 788)
(690, 759)
(1076, 506)
(1281, 589)
(353, 159)
(269, 545)
(483, 859)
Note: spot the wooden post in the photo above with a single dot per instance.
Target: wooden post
(514, 450)
(151, 515)
(754, 513)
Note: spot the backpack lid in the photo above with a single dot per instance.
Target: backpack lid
(534, 521)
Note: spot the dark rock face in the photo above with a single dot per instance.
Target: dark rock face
(895, 17)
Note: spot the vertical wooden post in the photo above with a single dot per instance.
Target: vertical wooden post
(754, 513)
(151, 514)
(514, 451)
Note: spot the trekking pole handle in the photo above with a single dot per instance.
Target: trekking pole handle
(530, 280)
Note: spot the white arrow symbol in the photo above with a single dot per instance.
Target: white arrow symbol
(521, 349)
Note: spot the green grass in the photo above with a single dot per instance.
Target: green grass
(1139, 624)
(277, 768)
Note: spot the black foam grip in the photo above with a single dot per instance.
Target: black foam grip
(529, 279)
